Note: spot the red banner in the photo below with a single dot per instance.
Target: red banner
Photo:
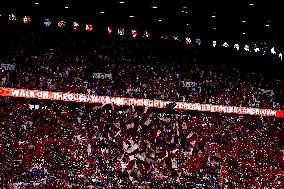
(24, 93)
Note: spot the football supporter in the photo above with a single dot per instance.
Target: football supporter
(66, 145)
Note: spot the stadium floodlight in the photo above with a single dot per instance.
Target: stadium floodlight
(66, 7)
(214, 43)
(226, 45)
(36, 3)
(188, 40)
(26, 19)
(61, 23)
(131, 16)
(12, 17)
(154, 7)
(121, 2)
(246, 48)
(89, 27)
(165, 36)
(198, 41)
(120, 31)
(75, 25)
(175, 38)
(47, 22)
(237, 46)
(102, 12)
(134, 33)
(146, 34)
(273, 50)
(109, 29)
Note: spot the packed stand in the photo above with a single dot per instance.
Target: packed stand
(66, 145)
(143, 75)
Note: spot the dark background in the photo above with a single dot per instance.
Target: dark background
(195, 20)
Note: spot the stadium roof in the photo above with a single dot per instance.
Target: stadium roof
(228, 20)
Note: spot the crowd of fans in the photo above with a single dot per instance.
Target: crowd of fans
(144, 76)
(48, 144)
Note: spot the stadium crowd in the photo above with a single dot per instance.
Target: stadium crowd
(47, 144)
(120, 71)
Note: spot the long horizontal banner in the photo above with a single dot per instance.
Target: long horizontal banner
(24, 93)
